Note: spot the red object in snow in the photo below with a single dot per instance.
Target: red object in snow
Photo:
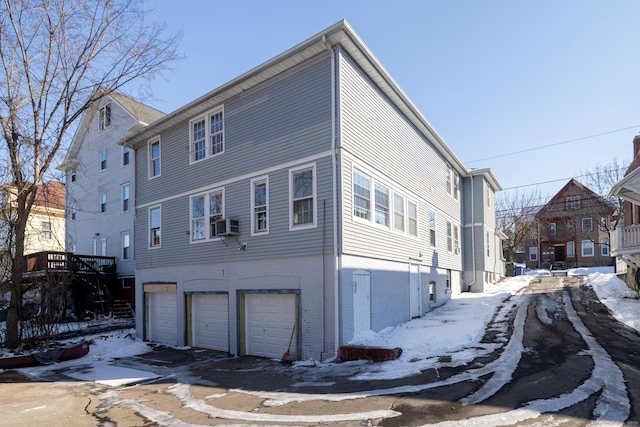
(375, 354)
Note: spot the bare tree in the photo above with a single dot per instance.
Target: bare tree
(54, 54)
(601, 179)
(515, 215)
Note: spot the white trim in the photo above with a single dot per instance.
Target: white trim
(122, 153)
(106, 159)
(261, 179)
(125, 233)
(207, 214)
(243, 177)
(150, 143)
(206, 117)
(122, 186)
(314, 176)
(582, 247)
(149, 246)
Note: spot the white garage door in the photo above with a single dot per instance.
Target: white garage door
(163, 317)
(211, 321)
(270, 319)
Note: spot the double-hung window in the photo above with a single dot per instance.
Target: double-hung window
(449, 236)
(206, 210)
(103, 203)
(361, 196)
(125, 245)
(382, 205)
(432, 228)
(571, 249)
(125, 197)
(449, 179)
(552, 229)
(260, 203)
(154, 226)
(46, 230)
(456, 238)
(587, 224)
(207, 136)
(105, 117)
(154, 158)
(587, 248)
(604, 247)
(126, 156)
(533, 253)
(302, 196)
(103, 159)
(456, 186)
(412, 218)
(398, 212)
(572, 203)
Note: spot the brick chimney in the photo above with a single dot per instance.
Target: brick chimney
(636, 146)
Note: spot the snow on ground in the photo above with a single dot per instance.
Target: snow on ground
(453, 330)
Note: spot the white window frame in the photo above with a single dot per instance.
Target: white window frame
(449, 236)
(104, 117)
(571, 249)
(486, 183)
(456, 237)
(399, 213)
(73, 212)
(125, 254)
(126, 156)
(488, 248)
(381, 210)
(73, 175)
(103, 203)
(590, 221)
(46, 230)
(456, 186)
(449, 179)
(152, 160)
(209, 148)
(361, 181)
(314, 197)
(533, 253)
(603, 223)
(103, 160)
(586, 245)
(411, 220)
(208, 228)
(432, 228)
(604, 248)
(570, 226)
(151, 228)
(572, 203)
(256, 210)
(125, 196)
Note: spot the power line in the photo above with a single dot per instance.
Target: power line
(561, 179)
(552, 145)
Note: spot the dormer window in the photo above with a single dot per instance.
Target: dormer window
(105, 116)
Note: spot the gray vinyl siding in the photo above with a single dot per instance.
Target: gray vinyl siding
(271, 128)
(375, 135)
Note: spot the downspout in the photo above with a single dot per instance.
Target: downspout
(334, 165)
(473, 235)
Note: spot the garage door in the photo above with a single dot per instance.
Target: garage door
(163, 317)
(270, 319)
(211, 321)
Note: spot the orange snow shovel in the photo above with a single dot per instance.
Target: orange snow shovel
(285, 356)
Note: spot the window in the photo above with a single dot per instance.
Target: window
(46, 230)
(206, 209)
(103, 159)
(260, 202)
(73, 175)
(103, 203)
(488, 245)
(302, 194)
(154, 226)
(533, 254)
(207, 136)
(603, 223)
(398, 212)
(125, 197)
(73, 212)
(587, 248)
(572, 203)
(412, 218)
(570, 226)
(125, 245)
(552, 229)
(432, 291)
(488, 195)
(361, 196)
(449, 236)
(382, 205)
(571, 249)
(448, 179)
(456, 238)
(126, 156)
(154, 158)
(587, 224)
(432, 228)
(105, 116)
(456, 186)
(604, 247)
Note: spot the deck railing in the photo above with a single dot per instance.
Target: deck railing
(67, 261)
(626, 239)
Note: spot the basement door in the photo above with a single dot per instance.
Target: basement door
(269, 324)
(361, 302)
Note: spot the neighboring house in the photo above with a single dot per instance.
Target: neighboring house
(573, 230)
(306, 198)
(625, 242)
(45, 226)
(100, 177)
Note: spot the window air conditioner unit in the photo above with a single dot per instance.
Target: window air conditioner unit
(227, 227)
(457, 250)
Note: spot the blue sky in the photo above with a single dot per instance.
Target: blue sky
(492, 77)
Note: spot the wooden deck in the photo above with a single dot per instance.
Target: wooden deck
(44, 263)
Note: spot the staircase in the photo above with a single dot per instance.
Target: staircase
(121, 309)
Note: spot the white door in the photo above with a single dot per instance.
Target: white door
(361, 301)
(269, 324)
(163, 317)
(414, 291)
(210, 321)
